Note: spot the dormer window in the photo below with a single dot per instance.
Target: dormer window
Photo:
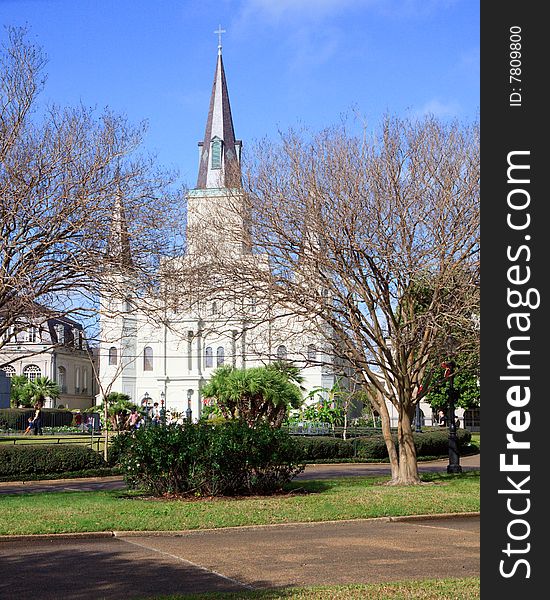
(216, 153)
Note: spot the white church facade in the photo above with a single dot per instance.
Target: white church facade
(168, 361)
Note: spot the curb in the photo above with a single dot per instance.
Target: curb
(47, 482)
(84, 535)
(186, 532)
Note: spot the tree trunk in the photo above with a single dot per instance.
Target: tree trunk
(344, 433)
(386, 432)
(404, 469)
(408, 468)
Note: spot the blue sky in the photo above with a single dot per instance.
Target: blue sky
(288, 62)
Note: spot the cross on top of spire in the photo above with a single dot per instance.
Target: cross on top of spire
(219, 31)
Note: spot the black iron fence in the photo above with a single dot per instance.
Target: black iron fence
(93, 440)
(16, 420)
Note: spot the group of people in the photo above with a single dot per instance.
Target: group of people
(135, 420)
(34, 425)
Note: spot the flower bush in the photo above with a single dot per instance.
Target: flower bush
(228, 458)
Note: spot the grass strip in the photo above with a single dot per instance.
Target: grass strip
(302, 502)
(433, 589)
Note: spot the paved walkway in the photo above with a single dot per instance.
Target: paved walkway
(141, 565)
(321, 471)
(138, 565)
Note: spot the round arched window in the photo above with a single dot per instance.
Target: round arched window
(113, 355)
(208, 357)
(32, 372)
(282, 353)
(148, 358)
(9, 370)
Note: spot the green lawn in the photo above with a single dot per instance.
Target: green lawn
(350, 498)
(435, 589)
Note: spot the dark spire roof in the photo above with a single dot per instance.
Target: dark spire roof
(219, 138)
(118, 249)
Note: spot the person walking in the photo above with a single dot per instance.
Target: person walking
(37, 420)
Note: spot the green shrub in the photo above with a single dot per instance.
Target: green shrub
(224, 459)
(322, 447)
(372, 447)
(37, 459)
(427, 443)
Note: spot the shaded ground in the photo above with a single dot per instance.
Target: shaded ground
(140, 566)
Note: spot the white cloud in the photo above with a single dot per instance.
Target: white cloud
(439, 109)
(278, 11)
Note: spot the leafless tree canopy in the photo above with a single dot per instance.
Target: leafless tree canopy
(66, 175)
(374, 241)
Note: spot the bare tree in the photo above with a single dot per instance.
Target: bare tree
(80, 207)
(373, 244)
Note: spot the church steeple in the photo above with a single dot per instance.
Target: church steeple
(220, 152)
(118, 252)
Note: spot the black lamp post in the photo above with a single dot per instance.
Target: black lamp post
(454, 456)
(162, 408)
(188, 412)
(145, 403)
(417, 418)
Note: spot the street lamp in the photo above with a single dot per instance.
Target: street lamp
(162, 408)
(418, 415)
(145, 403)
(449, 366)
(417, 418)
(188, 412)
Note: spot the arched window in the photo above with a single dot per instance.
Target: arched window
(9, 370)
(214, 308)
(84, 380)
(62, 378)
(208, 357)
(60, 331)
(147, 358)
(220, 356)
(113, 355)
(32, 372)
(281, 353)
(77, 380)
(311, 352)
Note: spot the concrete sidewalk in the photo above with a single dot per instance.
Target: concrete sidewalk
(318, 471)
(137, 565)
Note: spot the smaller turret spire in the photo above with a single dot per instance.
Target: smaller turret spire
(118, 248)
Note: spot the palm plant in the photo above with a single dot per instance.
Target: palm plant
(253, 395)
(43, 388)
(20, 391)
(118, 407)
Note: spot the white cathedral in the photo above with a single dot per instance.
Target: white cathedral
(168, 362)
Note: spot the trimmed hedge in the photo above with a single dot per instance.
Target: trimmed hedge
(322, 447)
(16, 418)
(42, 459)
(372, 447)
(203, 459)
